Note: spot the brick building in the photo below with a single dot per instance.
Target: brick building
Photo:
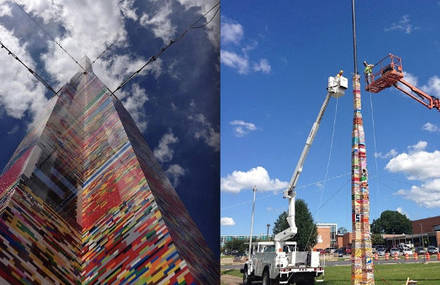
(426, 225)
(326, 235)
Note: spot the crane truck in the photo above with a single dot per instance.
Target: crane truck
(279, 261)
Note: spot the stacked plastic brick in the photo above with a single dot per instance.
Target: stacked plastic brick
(362, 271)
(98, 176)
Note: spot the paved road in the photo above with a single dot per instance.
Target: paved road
(347, 262)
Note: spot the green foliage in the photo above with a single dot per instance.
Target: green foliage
(377, 239)
(307, 231)
(342, 230)
(236, 245)
(391, 222)
(281, 223)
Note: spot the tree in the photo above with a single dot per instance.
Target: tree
(391, 222)
(377, 239)
(307, 231)
(238, 246)
(342, 231)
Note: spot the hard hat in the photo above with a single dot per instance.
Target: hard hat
(365, 63)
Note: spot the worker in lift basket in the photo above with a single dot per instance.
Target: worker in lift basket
(368, 72)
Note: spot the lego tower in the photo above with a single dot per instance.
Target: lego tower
(362, 262)
(84, 201)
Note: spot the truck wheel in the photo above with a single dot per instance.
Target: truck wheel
(266, 278)
(247, 280)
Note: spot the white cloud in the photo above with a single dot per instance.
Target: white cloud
(421, 145)
(160, 23)
(104, 25)
(258, 176)
(319, 185)
(13, 130)
(5, 10)
(206, 132)
(401, 211)
(174, 173)
(163, 152)
(421, 165)
(391, 153)
(426, 195)
(262, 66)
(134, 103)
(231, 32)
(234, 60)
(214, 27)
(226, 221)
(418, 164)
(410, 78)
(20, 91)
(242, 128)
(433, 86)
(128, 10)
(403, 25)
(431, 127)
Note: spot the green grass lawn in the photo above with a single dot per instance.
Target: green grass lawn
(425, 274)
(232, 272)
(393, 274)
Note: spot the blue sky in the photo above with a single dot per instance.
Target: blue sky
(175, 101)
(275, 60)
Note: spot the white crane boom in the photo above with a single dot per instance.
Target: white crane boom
(336, 88)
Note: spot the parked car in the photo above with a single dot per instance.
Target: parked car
(432, 249)
(330, 250)
(381, 251)
(394, 250)
(420, 250)
(339, 252)
(407, 251)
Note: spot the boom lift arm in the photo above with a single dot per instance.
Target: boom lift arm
(389, 72)
(336, 88)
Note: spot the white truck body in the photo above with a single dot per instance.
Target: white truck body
(285, 267)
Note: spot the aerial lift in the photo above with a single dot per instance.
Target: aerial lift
(389, 72)
(279, 260)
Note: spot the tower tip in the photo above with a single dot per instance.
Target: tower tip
(87, 64)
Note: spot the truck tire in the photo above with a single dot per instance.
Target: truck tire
(267, 280)
(247, 279)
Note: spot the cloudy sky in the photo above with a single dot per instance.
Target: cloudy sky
(275, 60)
(175, 101)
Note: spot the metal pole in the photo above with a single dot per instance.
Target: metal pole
(267, 235)
(252, 223)
(353, 24)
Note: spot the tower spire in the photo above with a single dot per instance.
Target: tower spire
(87, 64)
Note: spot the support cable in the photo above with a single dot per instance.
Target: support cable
(35, 74)
(353, 24)
(49, 35)
(103, 52)
(163, 49)
(375, 144)
(299, 187)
